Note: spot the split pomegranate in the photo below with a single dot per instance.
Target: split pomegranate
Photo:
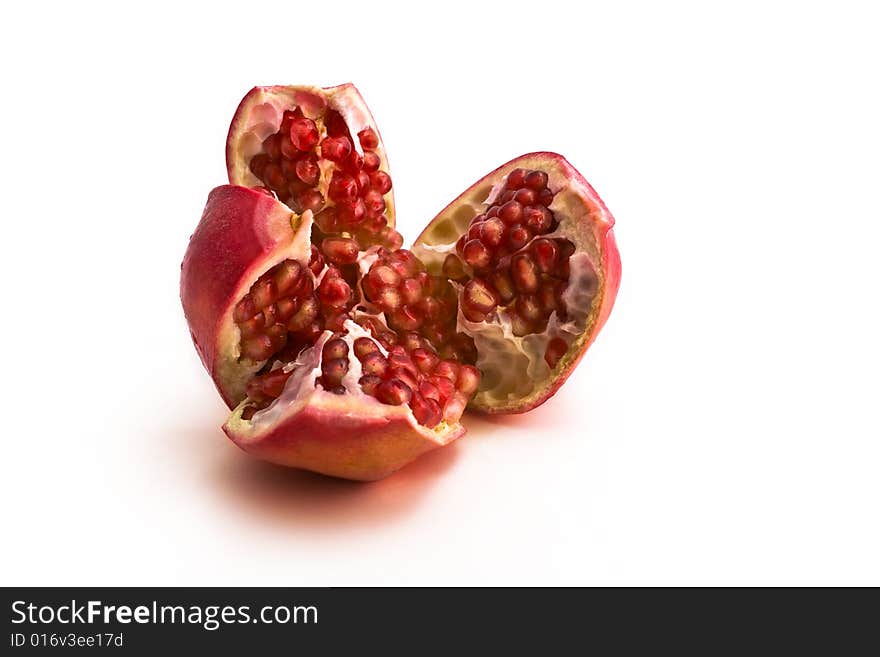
(342, 353)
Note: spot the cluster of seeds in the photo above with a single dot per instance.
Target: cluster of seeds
(414, 374)
(505, 261)
(284, 311)
(413, 300)
(292, 165)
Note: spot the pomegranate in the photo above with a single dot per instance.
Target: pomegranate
(530, 252)
(340, 352)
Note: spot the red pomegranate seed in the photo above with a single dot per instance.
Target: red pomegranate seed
(351, 213)
(269, 314)
(391, 238)
(424, 360)
(374, 202)
(285, 309)
(316, 260)
(371, 162)
(518, 236)
(333, 371)
(258, 164)
(405, 263)
(491, 212)
(525, 196)
(476, 254)
(536, 180)
(353, 163)
(383, 276)
(343, 187)
(272, 146)
(538, 219)
(307, 170)
(411, 291)
(406, 319)
(252, 326)
(307, 313)
(368, 139)
(393, 392)
(503, 285)
(453, 268)
(549, 296)
(335, 149)
(335, 124)
(479, 296)
(447, 369)
(364, 346)
(516, 179)
(426, 411)
(263, 293)
(545, 254)
(511, 212)
(272, 383)
(506, 196)
(286, 276)
(334, 291)
(335, 348)
(545, 197)
(412, 341)
(369, 383)
(288, 151)
(492, 232)
(388, 299)
(340, 250)
(380, 181)
(445, 386)
(468, 379)
(309, 200)
(274, 177)
(524, 273)
(429, 391)
(374, 363)
(555, 350)
(244, 309)
(258, 347)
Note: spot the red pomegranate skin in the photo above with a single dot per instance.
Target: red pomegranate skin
(239, 229)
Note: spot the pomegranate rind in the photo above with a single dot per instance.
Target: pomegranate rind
(259, 115)
(587, 222)
(242, 234)
(332, 438)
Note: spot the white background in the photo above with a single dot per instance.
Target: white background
(722, 430)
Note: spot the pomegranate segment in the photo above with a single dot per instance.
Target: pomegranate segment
(531, 255)
(297, 143)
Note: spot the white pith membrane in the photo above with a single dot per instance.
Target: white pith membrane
(260, 116)
(513, 368)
